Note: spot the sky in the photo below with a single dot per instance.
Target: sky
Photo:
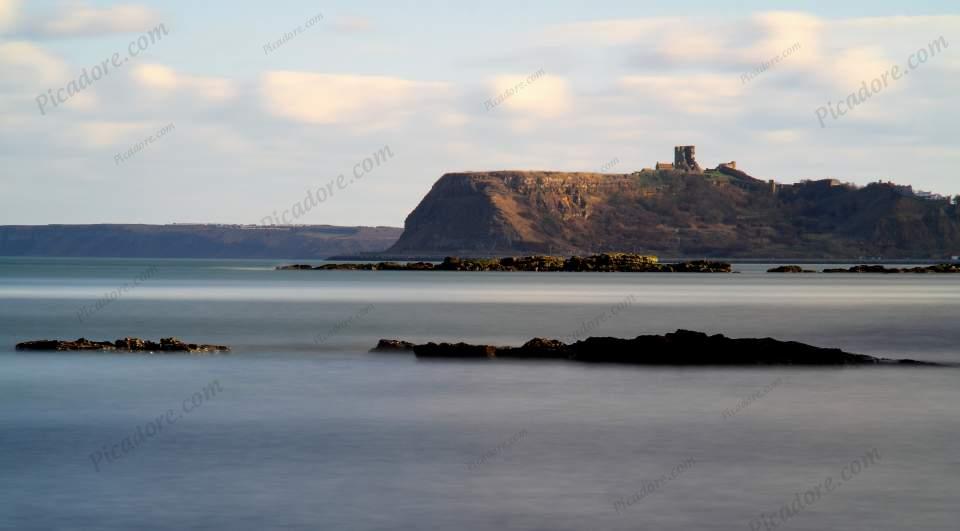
(253, 125)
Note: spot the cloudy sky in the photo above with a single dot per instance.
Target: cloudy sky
(257, 124)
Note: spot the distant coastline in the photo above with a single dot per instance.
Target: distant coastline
(293, 242)
(315, 242)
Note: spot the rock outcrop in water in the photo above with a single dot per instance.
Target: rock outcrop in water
(127, 344)
(939, 268)
(790, 269)
(378, 266)
(604, 262)
(392, 345)
(682, 347)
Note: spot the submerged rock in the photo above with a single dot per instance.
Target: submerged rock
(127, 344)
(682, 347)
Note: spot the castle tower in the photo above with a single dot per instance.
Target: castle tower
(684, 159)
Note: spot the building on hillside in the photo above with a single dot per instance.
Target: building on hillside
(930, 196)
(664, 166)
(822, 183)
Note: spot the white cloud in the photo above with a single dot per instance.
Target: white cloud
(930, 26)
(451, 119)
(610, 32)
(30, 65)
(359, 101)
(781, 136)
(156, 77)
(851, 67)
(99, 134)
(546, 96)
(685, 46)
(8, 13)
(76, 18)
(352, 24)
(162, 80)
(694, 94)
(780, 31)
(686, 61)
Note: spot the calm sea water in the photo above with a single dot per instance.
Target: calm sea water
(306, 430)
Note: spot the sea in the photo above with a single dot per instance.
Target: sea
(301, 427)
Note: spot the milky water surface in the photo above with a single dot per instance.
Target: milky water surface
(308, 431)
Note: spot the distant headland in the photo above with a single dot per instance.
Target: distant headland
(678, 209)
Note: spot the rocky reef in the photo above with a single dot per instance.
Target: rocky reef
(683, 347)
(392, 345)
(938, 268)
(604, 262)
(127, 344)
(369, 266)
(790, 269)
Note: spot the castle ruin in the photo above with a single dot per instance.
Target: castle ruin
(684, 159)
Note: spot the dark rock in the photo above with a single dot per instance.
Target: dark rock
(537, 348)
(392, 345)
(455, 263)
(419, 266)
(789, 269)
(454, 350)
(604, 262)
(293, 267)
(127, 344)
(615, 262)
(682, 348)
(59, 345)
(379, 266)
(348, 267)
(702, 266)
(172, 344)
(134, 343)
(389, 266)
(943, 268)
(938, 268)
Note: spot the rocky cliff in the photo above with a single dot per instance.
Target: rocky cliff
(673, 213)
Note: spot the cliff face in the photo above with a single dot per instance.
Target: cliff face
(673, 214)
